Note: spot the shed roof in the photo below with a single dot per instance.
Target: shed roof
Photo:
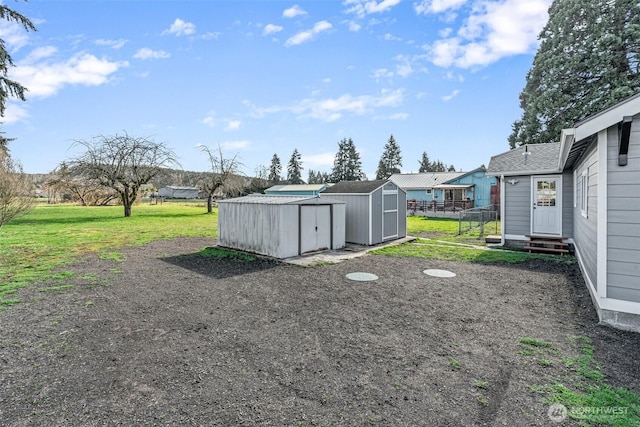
(526, 160)
(297, 187)
(268, 199)
(419, 181)
(356, 187)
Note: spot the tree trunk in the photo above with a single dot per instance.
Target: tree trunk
(210, 203)
(127, 209)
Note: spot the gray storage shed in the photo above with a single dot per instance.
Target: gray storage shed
(281, 226)
(376, 210)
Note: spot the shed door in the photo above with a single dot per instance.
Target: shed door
(546, 205)
(315, 228)
(390, 215)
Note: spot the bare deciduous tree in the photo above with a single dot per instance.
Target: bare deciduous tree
(225, 176)
(123, 163)
(15, 189)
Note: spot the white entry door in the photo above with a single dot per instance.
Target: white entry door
(547, 207)
(315, 228)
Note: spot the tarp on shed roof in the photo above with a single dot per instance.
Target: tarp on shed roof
(356, 187)
(268, 199)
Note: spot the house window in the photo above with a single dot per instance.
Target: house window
(584, 193)
(428, 191)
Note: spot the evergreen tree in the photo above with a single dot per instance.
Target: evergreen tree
(10, 88)
(588, 59)
(275, 169)
(451, 168)
(425, 163)
(347, 165)
(294, 168)
(390, 161)
(313, 178)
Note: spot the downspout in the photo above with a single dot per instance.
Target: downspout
(502, 210)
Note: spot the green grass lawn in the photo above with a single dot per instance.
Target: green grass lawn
(53, 235)
(440, 240)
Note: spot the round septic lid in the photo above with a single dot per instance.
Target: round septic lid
(362, 277)
(439, 273)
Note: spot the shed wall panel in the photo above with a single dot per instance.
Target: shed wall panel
(402, 214)
(377, 210)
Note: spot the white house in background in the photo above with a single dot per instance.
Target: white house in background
(175, 192)
(585, 188)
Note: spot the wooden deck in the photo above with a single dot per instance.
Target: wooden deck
(546, 244)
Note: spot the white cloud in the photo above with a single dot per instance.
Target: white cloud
(332, 109)
(493, 30)
(403, 68)
(235, 145)
(114, 44)
(354, 26)
(305, 36)
(39, 53)
(318, 161)
(437, 6)
(46, 79)
(293, 11)
(233, 125)
(452, 95)
(391, 37)
(180, 28)
(362, 8)
(146, 53)
(381, 73)
(271, 29)
(14, 113)
(212, 35)
(14, 35)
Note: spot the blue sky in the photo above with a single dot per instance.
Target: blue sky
(265, 77)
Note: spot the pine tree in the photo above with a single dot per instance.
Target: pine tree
(313, 178)
(275, 169)
(588, 59)
(294, 168)
(425, 163)
(347, 165)
(390, 161)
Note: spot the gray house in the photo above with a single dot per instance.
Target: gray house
(586, 190)
(376, 211)
(281, 226)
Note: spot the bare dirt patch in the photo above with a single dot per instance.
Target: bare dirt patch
(168, 337)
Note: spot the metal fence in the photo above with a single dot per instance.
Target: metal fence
(485, 217)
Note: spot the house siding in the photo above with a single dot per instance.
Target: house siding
(517, 218)
(623, 221)
(567, 204)
(585, 231)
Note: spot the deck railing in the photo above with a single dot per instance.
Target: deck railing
(439, 206)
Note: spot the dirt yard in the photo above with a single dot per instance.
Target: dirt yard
(167, 337)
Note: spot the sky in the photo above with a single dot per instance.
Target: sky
(258, 78)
